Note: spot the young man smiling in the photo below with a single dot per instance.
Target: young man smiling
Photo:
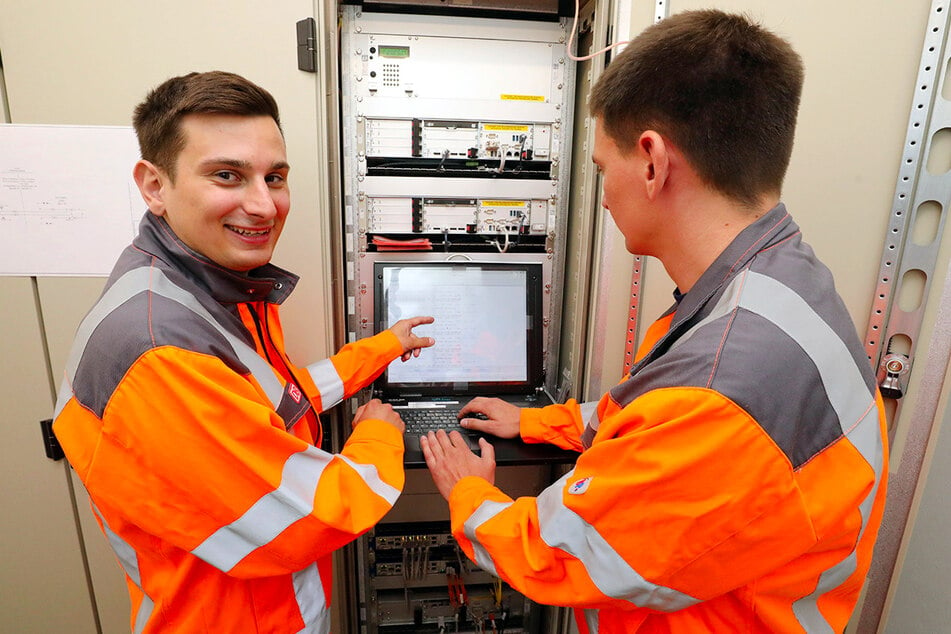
(192, 430)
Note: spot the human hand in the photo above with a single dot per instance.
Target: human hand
(500, 418)
(412, 344)
(449, 459)
(378, 410)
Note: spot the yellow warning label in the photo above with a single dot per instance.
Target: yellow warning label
(522, 98)
(503, 203)
(498, 127)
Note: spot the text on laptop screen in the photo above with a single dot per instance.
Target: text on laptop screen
(487, 323)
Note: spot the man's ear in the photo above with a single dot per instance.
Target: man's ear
(151, 181)
(653, 147)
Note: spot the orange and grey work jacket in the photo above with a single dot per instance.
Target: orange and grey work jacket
(194, 436)
(733, 482)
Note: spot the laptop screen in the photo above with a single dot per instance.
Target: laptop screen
(488, 327)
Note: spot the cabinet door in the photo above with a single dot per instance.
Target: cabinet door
(65, 302)
(43, 585)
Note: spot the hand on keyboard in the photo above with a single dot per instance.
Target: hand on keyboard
(378, 410)
(491, 415)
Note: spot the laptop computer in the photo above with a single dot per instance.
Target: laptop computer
(489, 342)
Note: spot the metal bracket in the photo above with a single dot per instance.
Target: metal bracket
(907, 265)
(54, 451)
(306, 45)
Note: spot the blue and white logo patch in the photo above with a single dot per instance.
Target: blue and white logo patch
(580, 486)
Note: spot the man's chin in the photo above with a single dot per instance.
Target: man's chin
(245, 264)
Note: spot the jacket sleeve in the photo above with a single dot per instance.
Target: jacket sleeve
(354, 367)
(681, 498)
(558, 424)
(189, 453)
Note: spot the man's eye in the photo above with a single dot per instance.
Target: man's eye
(226, 175)
(274, 179)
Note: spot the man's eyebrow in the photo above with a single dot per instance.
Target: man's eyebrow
(239, 164)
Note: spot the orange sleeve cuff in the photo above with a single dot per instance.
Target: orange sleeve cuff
(468, 494)
(559, 425)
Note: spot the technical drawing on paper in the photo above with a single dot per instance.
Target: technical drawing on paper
(68, 203)
(22, 198)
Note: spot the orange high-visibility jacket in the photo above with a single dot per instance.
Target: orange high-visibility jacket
(194, 435)
(733, 482)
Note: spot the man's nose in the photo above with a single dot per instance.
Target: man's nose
(259, 201)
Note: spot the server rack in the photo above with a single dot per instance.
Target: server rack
(456, 140)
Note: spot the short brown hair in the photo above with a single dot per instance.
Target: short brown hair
(157, 120)
(722, 88)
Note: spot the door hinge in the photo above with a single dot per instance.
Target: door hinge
(307, 45)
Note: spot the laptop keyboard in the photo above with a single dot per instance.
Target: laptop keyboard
(420, 421)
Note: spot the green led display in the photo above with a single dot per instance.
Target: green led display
(394, 51)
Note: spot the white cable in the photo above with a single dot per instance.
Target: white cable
(571, 37)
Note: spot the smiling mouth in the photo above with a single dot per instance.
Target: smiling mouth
(249, 233)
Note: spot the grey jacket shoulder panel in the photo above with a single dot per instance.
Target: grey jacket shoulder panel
(765, 328)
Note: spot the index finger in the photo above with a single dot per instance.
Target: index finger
(420, 320)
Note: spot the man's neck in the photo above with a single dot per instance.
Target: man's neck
(707, 224)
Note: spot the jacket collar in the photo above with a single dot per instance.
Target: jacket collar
(265, 283)
(773, 227)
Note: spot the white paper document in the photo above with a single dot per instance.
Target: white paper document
(68, 202)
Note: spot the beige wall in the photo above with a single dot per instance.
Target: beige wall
(39, 544)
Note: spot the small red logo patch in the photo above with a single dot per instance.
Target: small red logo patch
(294, 391)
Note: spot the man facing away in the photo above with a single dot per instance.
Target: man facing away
(734, 481)
(181, 412)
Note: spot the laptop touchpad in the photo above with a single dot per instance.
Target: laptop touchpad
(472, 440)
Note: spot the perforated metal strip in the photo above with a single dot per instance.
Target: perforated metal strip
(893, 328)
(904, 261)
(630, 340)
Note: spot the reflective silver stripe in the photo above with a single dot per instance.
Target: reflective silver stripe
(845, 387)
(309, 592)
(328, 383)
(122, 290)
(292, 500)
(842, 380)
(724, 306)
(154, 280)
(591, 620)
(63, 395)
(129, 561)
(486, 511)
(564, 529)
(371, 476)
(806, 609)
(589, 414)
(846, 390)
